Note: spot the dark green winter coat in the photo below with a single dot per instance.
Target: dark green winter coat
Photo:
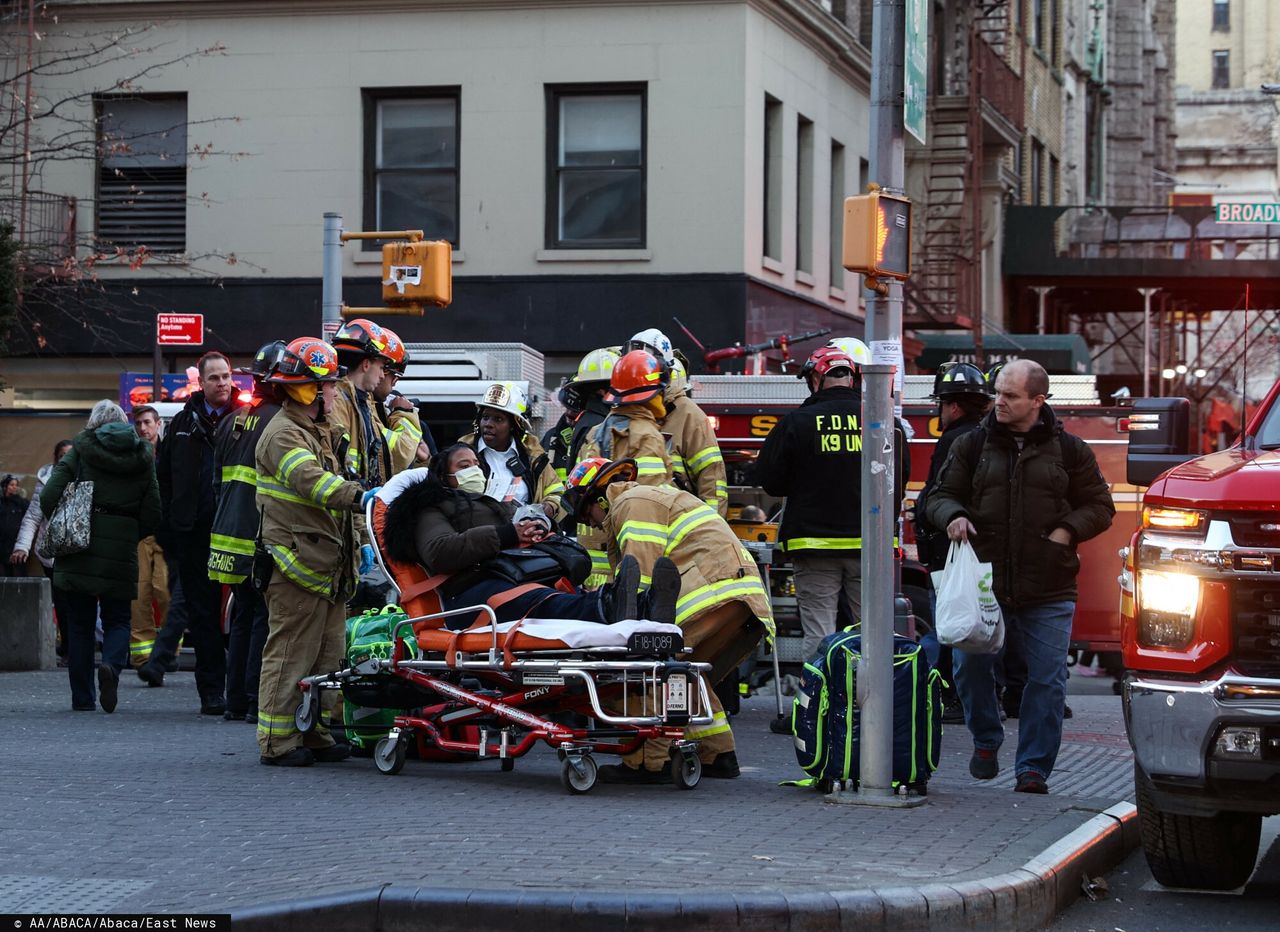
(1016, 499)
(126, 508)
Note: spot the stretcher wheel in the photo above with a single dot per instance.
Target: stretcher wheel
(304, 717)
(389, 755)
(578, 781)
(686, 771)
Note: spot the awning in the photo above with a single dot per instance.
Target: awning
(1061, 353)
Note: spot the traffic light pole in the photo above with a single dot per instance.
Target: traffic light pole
(880, 510)
(331, 289)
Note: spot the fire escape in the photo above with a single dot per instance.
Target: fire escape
(975, 115)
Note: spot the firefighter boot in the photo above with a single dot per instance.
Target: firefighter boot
(619, 600)
(659, 601)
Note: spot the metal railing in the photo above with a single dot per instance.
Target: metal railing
(44, 223)
(1000, 85)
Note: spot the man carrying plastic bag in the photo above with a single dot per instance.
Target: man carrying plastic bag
(1024, 493)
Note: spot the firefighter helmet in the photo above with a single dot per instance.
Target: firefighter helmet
(509, 398)
(306, 359)
(596, 366)
(396, 355)
(992, 372)
(854, 348)
(962, 378)
(362, 336)
(637, 378)
(823, 361)
(679, 378)
(656, 342)
(263, 360)
(587, 480)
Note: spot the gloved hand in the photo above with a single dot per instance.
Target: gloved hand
(364, 499)
(367, 559)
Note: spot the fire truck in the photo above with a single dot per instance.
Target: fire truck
(1200, 629)
(744, 409)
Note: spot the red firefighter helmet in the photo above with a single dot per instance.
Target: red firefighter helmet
(637, 377)
(823, 360)
(587, 480)
(362, 336)
(306, 359)
(396, 355)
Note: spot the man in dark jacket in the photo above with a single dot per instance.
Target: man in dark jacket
(814, 457)
(964, 399)
(13, 508)
(1025, 493)
(185, 470)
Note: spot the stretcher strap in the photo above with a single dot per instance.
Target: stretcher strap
(422, 587)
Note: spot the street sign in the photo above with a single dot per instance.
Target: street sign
(1248, 213)
(915, 70)
(180, 329)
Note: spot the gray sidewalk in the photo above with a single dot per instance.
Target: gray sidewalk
(156, 808)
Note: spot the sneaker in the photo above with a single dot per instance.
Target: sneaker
(985, 764)
(108, 687)
(621, 773)
(298, 757)
(332, 754)
(724, 767)
(663, 592)
(781, 726)
(1031, 782)
(151, 674)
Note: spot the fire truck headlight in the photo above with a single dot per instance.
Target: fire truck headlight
(1167, 609)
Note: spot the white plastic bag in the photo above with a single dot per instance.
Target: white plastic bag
(968, 615)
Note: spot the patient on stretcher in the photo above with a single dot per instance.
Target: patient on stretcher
(486, 552)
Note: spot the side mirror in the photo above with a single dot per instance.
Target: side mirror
(1159, 437)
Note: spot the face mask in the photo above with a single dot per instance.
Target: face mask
(471, 479)
(303, 392)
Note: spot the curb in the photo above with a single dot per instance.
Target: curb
(1026, 898)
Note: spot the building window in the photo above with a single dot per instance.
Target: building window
(1054, 33)
(773, 178)
(1037, 24)
(1221, 69)
(1221, 15)
(596, 166)
(804, 194)
(1052, 197)
(1037, 172)
(411, 162)
(838, 194)
(142, 172)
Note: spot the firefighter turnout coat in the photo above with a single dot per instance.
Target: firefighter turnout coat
(695, 454)
(235, 476)
(401, 433)
(547, 489)
(358, 426)
(308, 509)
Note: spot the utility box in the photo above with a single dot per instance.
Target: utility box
(418, 274)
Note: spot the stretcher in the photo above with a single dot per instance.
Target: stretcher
(497, 690)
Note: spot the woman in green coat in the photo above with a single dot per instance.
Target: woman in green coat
(104, 578)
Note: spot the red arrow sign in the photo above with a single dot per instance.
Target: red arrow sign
(180, 329)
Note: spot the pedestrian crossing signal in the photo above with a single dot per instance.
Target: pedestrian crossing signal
(877, 236)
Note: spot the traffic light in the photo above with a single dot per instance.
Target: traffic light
(419, 273)
(877, 236)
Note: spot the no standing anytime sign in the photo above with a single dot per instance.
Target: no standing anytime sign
(180, 329)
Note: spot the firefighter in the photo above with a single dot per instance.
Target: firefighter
(517, 470)
(695, 454)
(583, 395)
(308, 532)
(396, 417)
(722, 606)
(235, 528)
(814, 458)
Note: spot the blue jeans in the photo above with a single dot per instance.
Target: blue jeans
(1045, 632)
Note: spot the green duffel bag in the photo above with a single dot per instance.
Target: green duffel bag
(369, 635)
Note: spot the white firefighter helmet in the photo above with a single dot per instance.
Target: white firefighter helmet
(854, 348)
(508, 397)
(656, 342)
(596, 366)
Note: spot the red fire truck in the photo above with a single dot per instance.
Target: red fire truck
(745, 408)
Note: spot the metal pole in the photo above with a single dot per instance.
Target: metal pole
(1041, 292)
(156, 363)
(331, 292)
(1146, 339)
(888, 146)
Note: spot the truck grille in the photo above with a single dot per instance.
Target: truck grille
(1256, 605)
(1247, 528)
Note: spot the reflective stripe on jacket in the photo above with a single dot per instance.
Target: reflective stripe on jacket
(695, 453)
(715, 568)
(235, 524)
(308, 522)
(631, 432)
(401, 434)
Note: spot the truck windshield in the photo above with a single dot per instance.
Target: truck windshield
(1268, 436)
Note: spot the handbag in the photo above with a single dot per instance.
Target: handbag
(545, 562)
(70, 524)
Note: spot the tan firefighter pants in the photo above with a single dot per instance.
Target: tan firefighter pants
(724, 636)
(153, 587)
(306, 635)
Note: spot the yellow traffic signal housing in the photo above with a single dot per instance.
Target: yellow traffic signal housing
(877, 236)
(417, 274)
